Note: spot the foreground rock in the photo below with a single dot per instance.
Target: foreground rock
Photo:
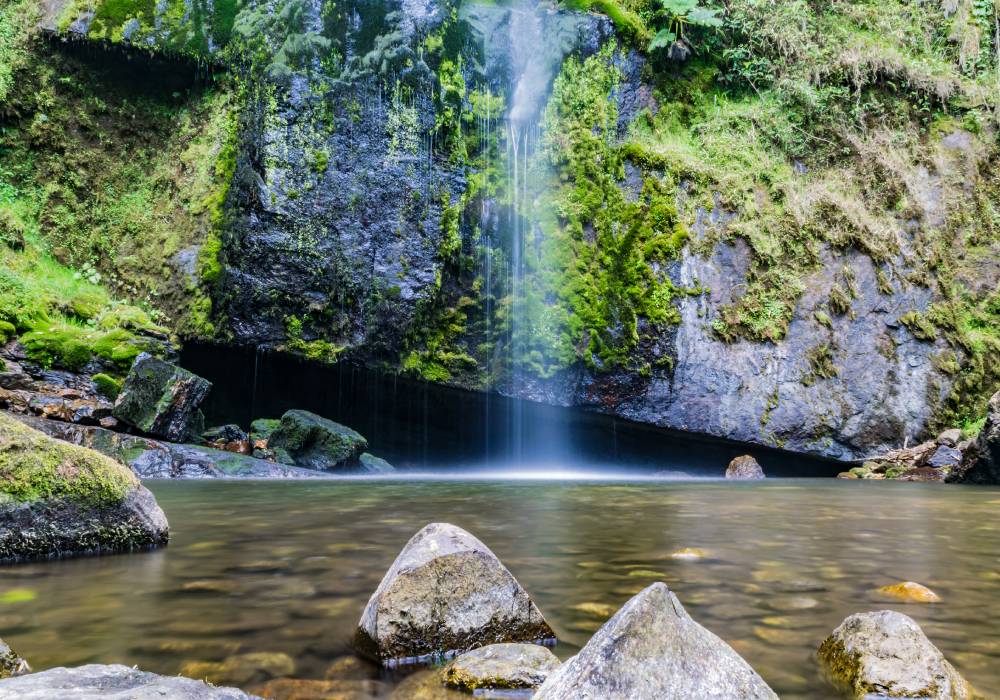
(162, 399)
(153, 459)
(981, 462)
(446, 593)
(57, 499)
(507, 666)
(885, 654)
(307, 440)
(652, 650)
(96, 681)
(10, 663)
(744, 468)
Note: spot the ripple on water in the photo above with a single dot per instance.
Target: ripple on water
(286, 568)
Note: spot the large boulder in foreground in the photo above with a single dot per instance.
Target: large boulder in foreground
(96, 681)
(446, 593)
(10, 663)
(651, 649)
(744, 468)
(306, 440)
(162, 399)
(885, 654)
(981, 462)
(57, 499)
(501, 666)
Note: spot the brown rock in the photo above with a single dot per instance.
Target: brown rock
(744, 468)
(909, 592)
(950, 437)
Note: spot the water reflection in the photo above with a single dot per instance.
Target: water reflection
(286, 568)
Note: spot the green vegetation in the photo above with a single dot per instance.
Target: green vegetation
(106, 386)
(34, 467)
(195, 28)
(107, 180)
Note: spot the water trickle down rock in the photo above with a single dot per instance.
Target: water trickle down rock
(446, 593)
(886, 654)
(653, 650)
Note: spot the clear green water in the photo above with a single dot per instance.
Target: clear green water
(288, 567)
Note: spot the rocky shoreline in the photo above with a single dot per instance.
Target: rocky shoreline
(452, 614)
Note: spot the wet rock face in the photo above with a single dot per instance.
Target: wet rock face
(375, 465)
(744, 468)
(446, 593)
(885, 654)
(501, 666)
(96, 681)
(981, 462)
(162, 399)
(60, 500)
(10, 663)
(652, 650)
(307, 440)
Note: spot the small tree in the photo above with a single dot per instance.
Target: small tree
(678, 16)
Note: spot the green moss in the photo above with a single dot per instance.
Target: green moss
(821, 364)
(919, 326)
(34, 467)
(106, 386)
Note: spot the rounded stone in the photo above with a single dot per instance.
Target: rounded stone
(744, 468)
(501, 666)
(886, 654)
(909, 592)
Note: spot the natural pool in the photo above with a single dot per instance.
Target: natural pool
(288, 567)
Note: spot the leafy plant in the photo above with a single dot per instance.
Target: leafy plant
(679, 15)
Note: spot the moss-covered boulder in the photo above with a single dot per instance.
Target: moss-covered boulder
(58, 500)
(886, 654)
(162, 399)
(307, 440)
(446, 593)
(10, 663)
(501, 666)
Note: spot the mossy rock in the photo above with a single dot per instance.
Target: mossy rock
(375, 465)
(107, 386)
(306, 440)
(58, 499)
(162, 399)
(263, 428)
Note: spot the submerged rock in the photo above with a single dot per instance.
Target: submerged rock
(162, 399)
(981, 462)
(10, 663)
(57, 499)
(96, 681)
(307, 440)
(885, 654)
(653, 650)
(744, 468)
(910, 592)
(375, 465)
(242, 669)
(501, 666)
(446, 593)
